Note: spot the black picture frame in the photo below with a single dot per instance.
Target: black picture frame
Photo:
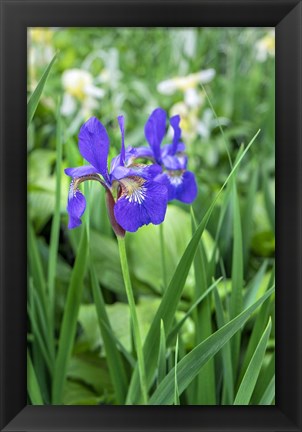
(16, 16)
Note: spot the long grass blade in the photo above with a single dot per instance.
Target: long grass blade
(269, 394)
(68, 327)
(249, 380)
(113, 356)
(33, 388)
(190, 365)
(55, 227)
(35, 97)
(228, 380)
(161, 368)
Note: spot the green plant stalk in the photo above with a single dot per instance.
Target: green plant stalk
(69, 322)
(163, 256)
(55, 228)
(135, 325)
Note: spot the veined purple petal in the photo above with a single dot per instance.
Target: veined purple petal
(144, 152)
(181, 185)
(144, 171)
(164, 180)
(155, 130)
(174, 121)
(80, 171)
(186, 191)
(140, 204)
(94, 145)
(130, 155)
(75, 207)
(168, 149)
(175, 162)
(120, 120)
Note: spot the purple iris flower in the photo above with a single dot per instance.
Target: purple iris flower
(133, 197)
(181, 183)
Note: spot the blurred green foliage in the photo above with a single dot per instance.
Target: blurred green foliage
(107, 72)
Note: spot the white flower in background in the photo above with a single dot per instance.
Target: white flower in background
(265, 47)
(79, 88)
(170, 86)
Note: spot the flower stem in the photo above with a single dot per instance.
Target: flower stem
(135, 325)
(163, 256)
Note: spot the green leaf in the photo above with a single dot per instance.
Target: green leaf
(168, 306)
(55, 226)
(114, 360)
(190, 365)
(269, 394)
(228, 378)
(92, 370)
(35, 97)
(175, 330)
(68, 327)
(32, 384)
(237, 275)
(249, 379)
(161, 368)
(176, 392)
(247, 219)
(205, 381)
(269, 203)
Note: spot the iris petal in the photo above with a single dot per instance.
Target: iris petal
(94, 145)
(155, 130)
(80, 171)
(186, 191)
(75, 207)
(120, 120)
(144, 171)
(147, 204)
(174, 121)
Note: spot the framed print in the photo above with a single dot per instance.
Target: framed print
(144, 145)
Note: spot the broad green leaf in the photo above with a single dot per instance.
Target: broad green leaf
(92, 370)
(32, 384)
(77, 393)
(168, 306)
(249, 379)
(69, 322)
(35, 97)
(190, 365)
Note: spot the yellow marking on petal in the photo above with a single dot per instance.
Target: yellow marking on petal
(133, 188)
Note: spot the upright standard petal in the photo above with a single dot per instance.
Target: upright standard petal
(175, 121)
(120, 120)
(75, 207)
(94, 145)
(141, 202)
(155, 130)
